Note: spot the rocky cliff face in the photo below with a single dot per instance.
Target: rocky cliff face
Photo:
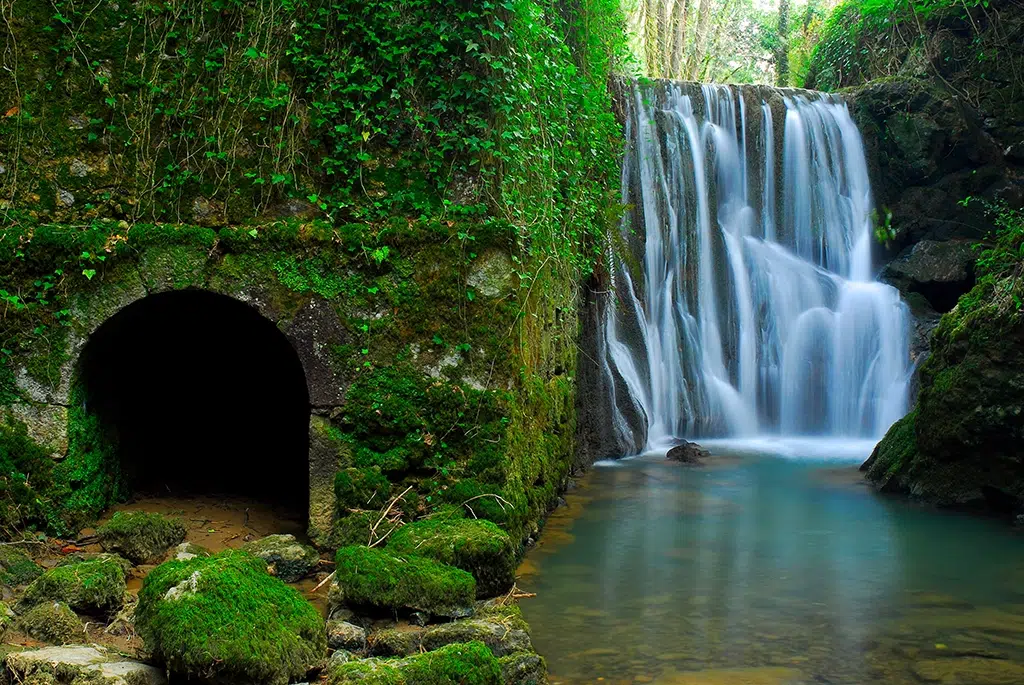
(943, 124)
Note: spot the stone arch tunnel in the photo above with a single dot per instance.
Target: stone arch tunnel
(202, 394)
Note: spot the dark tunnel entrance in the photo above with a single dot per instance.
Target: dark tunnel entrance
(203, 395)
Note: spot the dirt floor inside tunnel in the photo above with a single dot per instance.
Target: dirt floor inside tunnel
(200, 395)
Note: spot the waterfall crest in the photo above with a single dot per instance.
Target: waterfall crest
(744, 303)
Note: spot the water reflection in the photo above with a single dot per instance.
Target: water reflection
(762, 562)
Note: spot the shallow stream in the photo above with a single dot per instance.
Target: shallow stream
(761, 569)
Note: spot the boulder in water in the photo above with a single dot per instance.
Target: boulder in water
(688, 453)
(288, 559)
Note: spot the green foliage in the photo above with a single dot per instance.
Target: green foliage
(25, 472)
(140, 536)
(95, 587)
(477, 546)
(223, 617)
(1000, 264)
(865, 39)
(361, 488)
(469, 663)
(372, 577)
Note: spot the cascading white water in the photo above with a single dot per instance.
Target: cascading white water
(755, 312)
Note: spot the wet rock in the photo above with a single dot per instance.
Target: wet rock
(206, 213)
(394, 642)
(187, 550)
(16, 568)
(94, 587)
(346, 636)
(80, 664)
(523, 668)
(969, 671)
(314, 332)
(500, 638)
(941, 271)
(419, 618)
(52, 622)
(688, 453)
(286, 557)
(140, 536)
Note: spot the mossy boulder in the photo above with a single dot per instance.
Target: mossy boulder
(224, 617)
(395, 642)
(188, 550)
(374, 578)
(286, 557)
(141, 536)
(94, 587)
(52, 622)
(353, 529)
(477, 546)
(962, 444)
(466, 664)
(501, 638)
(79, 665)
(16, 568)
(523, 668)
(346, 636)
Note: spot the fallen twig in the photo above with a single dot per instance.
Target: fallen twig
(323, 582)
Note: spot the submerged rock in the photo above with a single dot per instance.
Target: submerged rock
(141, 536)
(95, 587)
(461, 663)
(287, 558)
(523, 668)
(367, 577)
(474, 545)
(265, 631)
(688, 453)
(80, 664)
(52, 622)
(972, 670)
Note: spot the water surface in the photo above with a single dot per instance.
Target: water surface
(765, 569)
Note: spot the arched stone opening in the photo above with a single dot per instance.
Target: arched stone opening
(202, 395)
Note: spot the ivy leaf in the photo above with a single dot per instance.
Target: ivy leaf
(89, 273)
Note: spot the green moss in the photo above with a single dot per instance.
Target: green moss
(25, 473)
(353, 529)
(477, 546)
(374, 578)
(16, 568)
(140, 536)
(223, 617)
(361, 488)
(394, 642)
(52, 622)
(92, 587)
(466, 664)
(896, 451)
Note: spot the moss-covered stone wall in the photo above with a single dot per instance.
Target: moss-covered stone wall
(411, 191)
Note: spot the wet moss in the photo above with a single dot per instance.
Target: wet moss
(369, 577)
(25, 474)
(95, 587)
(467, 664)
(223, 617)
(477, 546)
(140, 536)
(52, 622)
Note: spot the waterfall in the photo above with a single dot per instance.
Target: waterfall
(743, 302)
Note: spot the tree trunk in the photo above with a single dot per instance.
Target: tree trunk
(782, 49)
(678, 38)
(700, 40)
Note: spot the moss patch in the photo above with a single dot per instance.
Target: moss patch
(361, 488)
(477, 546)
(52, 622)
(141, 536)
(466, 664)
(224, 617)
(16, 568)
(94, 587)
(374, 578)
